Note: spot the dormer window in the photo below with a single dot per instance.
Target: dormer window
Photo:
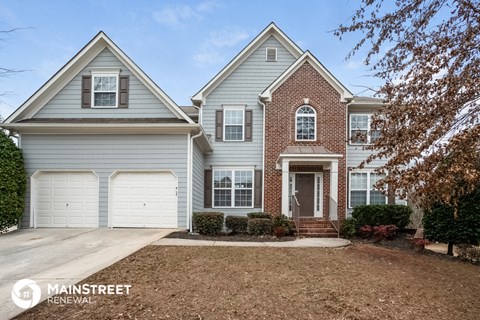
(306, 124)
(271, 54)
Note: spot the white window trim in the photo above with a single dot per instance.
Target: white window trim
(234, 108)
(369, 187)
(369, 129)
(232, 170)
(308, 115)
(105, 72)
(266, 54)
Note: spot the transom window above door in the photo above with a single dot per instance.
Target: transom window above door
(306, 124)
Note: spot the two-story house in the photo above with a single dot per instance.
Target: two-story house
(104, 146)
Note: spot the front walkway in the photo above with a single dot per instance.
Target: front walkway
(300, 243)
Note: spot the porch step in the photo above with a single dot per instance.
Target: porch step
(316, 228)
(320, 235)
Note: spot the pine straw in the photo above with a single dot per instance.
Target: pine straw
(357, 282)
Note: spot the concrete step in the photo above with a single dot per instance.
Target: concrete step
(319, 235)
(317, 230)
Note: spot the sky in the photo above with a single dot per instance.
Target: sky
(181, 45)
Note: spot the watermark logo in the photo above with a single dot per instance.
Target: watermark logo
(26, 293)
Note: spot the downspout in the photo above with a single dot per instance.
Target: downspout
(190, 177)
(263, 152)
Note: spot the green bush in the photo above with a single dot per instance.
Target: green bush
(382, 214)
(13, 183)
(440, 223)
(282, 221)
(348, 229)
(236, 224)
(259, 215)
(208, 223)
(259, 226)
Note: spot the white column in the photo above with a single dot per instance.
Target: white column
(334, 190)
(285, 184)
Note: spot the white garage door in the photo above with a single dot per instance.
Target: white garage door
(144, 200)
(66, 199)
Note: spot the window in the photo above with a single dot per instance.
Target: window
(306, 124)
(362, 190)
(233, 124)
(360, 129)
(233, 188)
(105, 90)
(271, 54)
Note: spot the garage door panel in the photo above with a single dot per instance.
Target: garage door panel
(144, 199)
(67, 199)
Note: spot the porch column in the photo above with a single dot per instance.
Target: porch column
(285, 185)
(333, 190)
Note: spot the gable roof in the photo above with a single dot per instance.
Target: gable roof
(270, 30)
(345, 94)
(101, 41)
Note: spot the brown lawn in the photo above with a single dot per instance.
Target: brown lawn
(358, 282)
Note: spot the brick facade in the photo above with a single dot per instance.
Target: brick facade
(305, 83)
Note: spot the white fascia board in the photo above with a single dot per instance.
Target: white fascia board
(103, 128)
(145, 79)
(345, 94)
(58, 80)
(77, 64)
(271, 29)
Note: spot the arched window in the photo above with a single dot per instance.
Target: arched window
(306, 124)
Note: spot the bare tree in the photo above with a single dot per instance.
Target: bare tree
(428, 54)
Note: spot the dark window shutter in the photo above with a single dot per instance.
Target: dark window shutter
(207, 192)
(248, 125)
(86, 91)
(123, 92)
(258, 189)
(218, 125)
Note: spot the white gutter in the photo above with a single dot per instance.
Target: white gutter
(190, 179)
(263, 151)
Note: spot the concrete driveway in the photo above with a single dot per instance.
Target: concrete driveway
(63, 256)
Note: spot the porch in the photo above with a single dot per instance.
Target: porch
(310, 189)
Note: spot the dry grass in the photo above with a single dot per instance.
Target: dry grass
(358, 282)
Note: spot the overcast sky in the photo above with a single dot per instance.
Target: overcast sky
(181, 45)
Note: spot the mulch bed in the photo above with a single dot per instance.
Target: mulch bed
(361, 281)
(228, 237)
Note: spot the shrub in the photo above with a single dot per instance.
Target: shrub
(259, 226)
(366, 231)
(236, 224)
(385, 232)
(468, 252)
(420, 243)
(440, 223)
(349, 228)
(13, 183)
(279, 231)
(382, 214)
(208, 223)
(379, 232)
(259, 215)
(280, 222)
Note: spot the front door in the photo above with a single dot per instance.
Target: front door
(305, 188)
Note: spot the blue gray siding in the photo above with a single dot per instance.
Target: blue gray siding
(356, 153)
(67, 103)
(198, 178)
(242, 87)
(103, 154)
